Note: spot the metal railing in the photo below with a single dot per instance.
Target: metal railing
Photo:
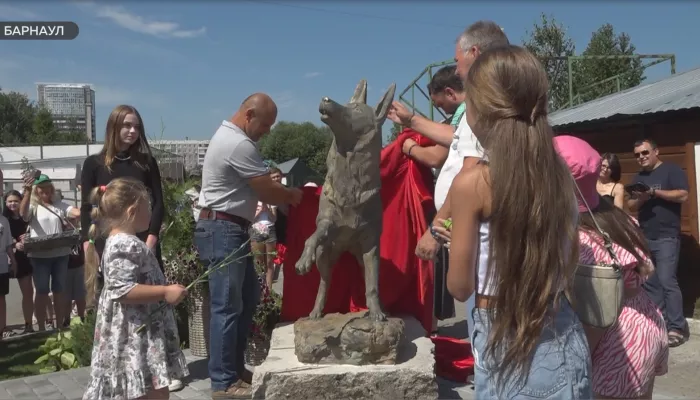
(409, 98)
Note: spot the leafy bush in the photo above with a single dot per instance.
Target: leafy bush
(267, 313)
(82, 336)
(58, 354)
(180, 257)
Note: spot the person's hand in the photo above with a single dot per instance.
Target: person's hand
(643, 196)
(28, 181)
(407, 145)
(427, 247)
(443, 232)
(399, 114)
(295, 195)
(174, 294)
(151, 241)
(19, 246)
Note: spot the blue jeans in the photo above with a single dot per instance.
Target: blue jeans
(234, 293)
(49, 274)
(662, 285)
(560, 368)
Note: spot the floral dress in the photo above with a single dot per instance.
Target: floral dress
(126, 364)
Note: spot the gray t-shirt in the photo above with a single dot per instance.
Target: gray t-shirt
(231, 159)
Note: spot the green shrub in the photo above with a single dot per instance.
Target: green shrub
(83, 334)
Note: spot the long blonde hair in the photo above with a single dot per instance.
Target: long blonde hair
(110, 204)
(140, 151)
(35, 200)
(533, 242)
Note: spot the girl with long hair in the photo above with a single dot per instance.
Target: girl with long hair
(128, 363)
(608, 185)
(18, 227)
(126, 153)
(628, 355)
(515, 239)
(46, 215)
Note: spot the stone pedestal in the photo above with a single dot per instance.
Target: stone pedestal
(412, 376)
(347, 339)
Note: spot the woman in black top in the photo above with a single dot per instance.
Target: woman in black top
(18, 228)
(609, 186)
(126, 153)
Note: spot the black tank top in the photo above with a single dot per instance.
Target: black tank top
(610, 197)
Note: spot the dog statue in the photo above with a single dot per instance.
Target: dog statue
(350, 209)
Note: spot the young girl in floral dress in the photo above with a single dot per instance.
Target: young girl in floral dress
(128, 363)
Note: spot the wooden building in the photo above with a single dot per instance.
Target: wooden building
(668, 112)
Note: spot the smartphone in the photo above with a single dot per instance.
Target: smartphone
(637, 187)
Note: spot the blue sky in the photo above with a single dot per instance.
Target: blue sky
(191, 63)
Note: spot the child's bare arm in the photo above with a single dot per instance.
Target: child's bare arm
(141, 294)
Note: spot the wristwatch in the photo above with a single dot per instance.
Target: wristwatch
(653, 192)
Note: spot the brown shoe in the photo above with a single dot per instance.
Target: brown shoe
(239, 390)
(246, 376)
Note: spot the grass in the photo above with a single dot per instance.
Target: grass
(17, 356)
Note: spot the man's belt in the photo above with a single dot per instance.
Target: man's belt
(212, 215)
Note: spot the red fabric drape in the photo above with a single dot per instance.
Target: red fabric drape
(405, 282)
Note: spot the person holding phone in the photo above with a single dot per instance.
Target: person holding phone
(660, 189)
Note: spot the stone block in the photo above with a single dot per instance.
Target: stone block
(282, 376)
(347, 339)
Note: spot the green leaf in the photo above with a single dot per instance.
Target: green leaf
(56, 352)
(42, 359)
(75, 322)
(67, 360)
(47, 370)
(51, 341)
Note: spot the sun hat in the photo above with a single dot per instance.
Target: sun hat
(584, 164)
(43, 178)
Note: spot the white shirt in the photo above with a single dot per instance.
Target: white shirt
(43, 222)
(464, 144)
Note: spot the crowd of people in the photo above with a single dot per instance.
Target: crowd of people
(525, 208)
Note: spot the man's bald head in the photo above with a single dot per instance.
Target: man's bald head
(257, 114)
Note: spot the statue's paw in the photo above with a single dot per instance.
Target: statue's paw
(377, 315)
(316, 314)
(303, 266)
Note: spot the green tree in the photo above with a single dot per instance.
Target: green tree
(605, 42)
(306, 141)
(44, 130)
(395, 131)
(16, 118)
(549, 40)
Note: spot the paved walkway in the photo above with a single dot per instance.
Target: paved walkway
(680, 383)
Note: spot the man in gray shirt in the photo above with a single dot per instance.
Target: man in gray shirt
(234, 179)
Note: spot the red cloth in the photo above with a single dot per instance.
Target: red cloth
(405, 282)
(453, 358)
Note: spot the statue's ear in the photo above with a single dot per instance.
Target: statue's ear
(382, 109)
(360, 95)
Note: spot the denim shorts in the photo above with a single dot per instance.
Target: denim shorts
(49, 274)
(560, 366)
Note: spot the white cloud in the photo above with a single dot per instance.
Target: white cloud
(163, 29)
(10, 13)
(310, 75)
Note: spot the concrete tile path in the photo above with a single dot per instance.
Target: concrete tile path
(680, 383)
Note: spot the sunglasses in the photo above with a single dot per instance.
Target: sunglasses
(642, 153)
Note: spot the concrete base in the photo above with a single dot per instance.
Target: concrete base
(282, 376)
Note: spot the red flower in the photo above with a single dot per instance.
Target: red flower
(281, 250)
